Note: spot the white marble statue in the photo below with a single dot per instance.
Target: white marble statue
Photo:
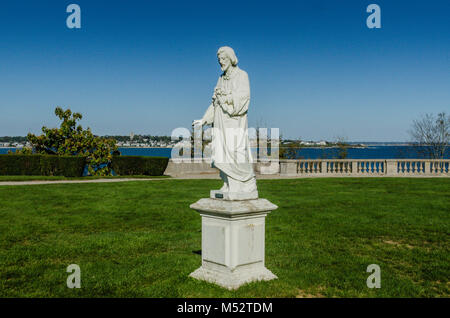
(230, 144)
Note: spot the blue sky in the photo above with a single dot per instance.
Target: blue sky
(316, 71)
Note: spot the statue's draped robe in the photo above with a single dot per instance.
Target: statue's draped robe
(231, 152)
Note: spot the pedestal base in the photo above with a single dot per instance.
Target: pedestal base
(233, 240)
(233, 279)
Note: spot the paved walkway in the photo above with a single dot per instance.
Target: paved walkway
(196, 176)
(180, 177)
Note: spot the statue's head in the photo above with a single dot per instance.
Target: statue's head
(226, 57)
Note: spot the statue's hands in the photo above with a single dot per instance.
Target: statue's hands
(223, 99)
(198, 122)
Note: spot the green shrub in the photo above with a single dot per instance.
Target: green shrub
(42, 165)
(67, 166)
(139, 165)
(18, 165)
(73, 166)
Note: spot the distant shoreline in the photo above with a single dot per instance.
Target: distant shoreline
(309, 147)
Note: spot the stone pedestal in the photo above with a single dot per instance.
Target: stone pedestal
(233, 241)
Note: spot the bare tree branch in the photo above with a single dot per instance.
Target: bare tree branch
(431, 135)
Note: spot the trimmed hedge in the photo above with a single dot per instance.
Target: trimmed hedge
(68, 166)
(139, 165)
(73, 166)
(42, 165)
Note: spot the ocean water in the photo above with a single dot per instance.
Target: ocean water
(371, 152)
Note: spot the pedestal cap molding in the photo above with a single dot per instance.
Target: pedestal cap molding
(231, 209)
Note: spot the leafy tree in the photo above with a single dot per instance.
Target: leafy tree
(431, 135)
(71, 139)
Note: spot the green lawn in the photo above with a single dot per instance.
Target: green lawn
(138, 239)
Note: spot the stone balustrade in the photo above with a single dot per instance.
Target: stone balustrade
(327, 167)
(365, 167)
